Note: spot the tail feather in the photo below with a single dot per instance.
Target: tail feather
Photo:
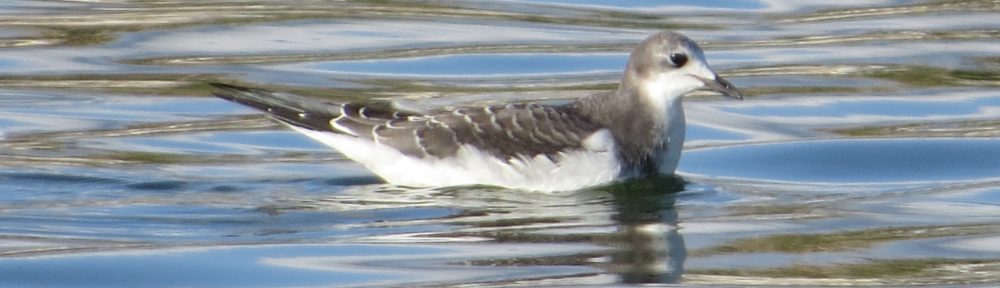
(295, 110)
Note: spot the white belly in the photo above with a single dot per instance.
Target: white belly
(572, 170)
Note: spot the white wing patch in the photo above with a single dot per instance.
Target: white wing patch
(596, 164)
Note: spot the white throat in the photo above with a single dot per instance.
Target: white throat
(664, 94)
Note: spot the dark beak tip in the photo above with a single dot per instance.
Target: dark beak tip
(722, 86)
(726, 88)
(735, 93)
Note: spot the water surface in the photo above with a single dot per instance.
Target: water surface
(867, 152)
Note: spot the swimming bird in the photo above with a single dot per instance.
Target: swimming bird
(634, 131)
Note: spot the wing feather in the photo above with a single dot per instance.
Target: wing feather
(507, 131)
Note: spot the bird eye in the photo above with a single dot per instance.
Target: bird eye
(679, 59)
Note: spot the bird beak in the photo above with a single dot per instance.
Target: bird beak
(722, 86)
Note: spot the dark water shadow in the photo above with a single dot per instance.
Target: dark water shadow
(648, 246)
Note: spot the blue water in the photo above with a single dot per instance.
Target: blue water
(896, 107)
(853, 161)
(118, 169)
(506, 65)
(213, 267)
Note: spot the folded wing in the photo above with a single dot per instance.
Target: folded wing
(507, 131)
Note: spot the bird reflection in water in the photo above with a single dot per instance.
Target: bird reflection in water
(646, 246)
(649, 247)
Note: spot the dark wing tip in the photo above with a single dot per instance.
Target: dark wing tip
(297, 110)
(232, 92)
(228, 87)
(224, 85)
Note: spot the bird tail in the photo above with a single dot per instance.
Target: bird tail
(292, 109)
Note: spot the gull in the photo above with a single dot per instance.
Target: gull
(635, 131)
